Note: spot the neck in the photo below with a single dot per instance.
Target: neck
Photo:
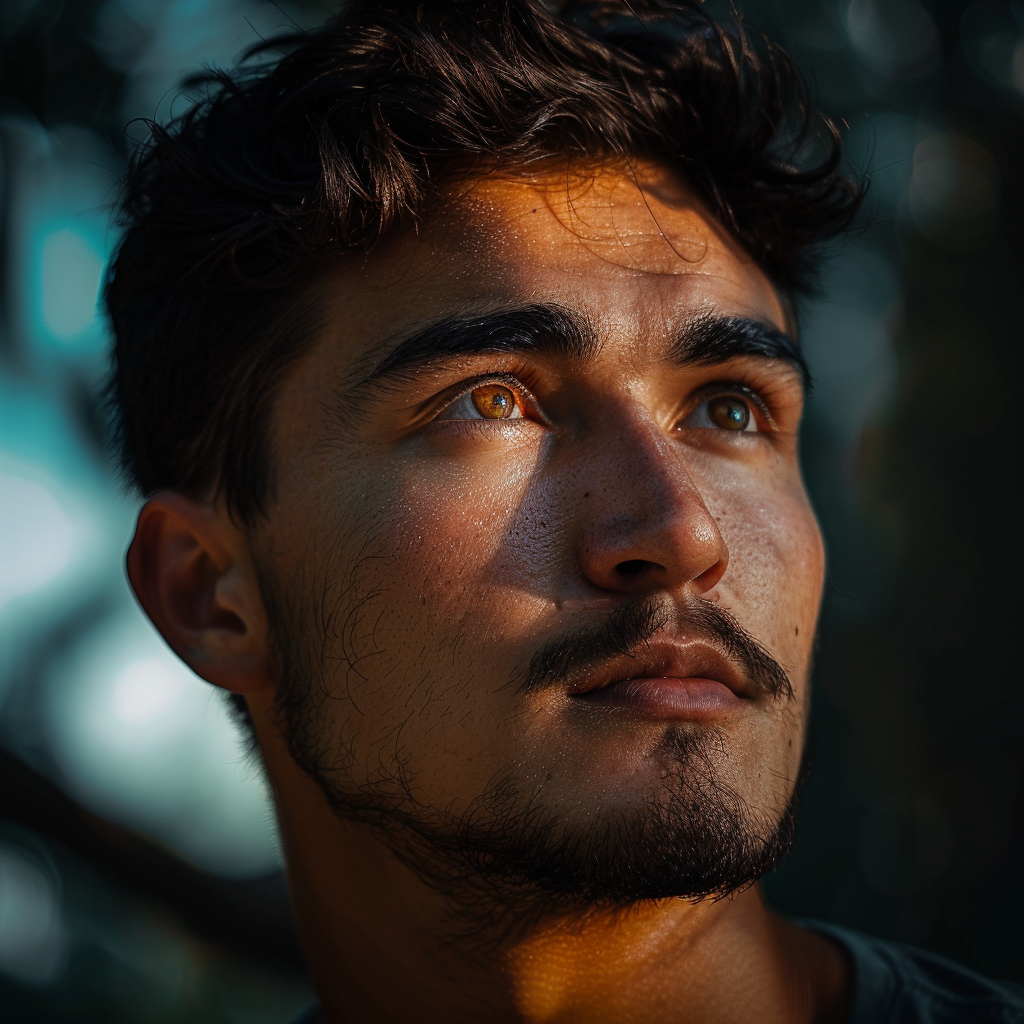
(383, 946)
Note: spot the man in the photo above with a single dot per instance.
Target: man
(456, 358)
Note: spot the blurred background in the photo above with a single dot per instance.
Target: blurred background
(139, 871)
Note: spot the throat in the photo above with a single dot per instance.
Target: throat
(666, 960)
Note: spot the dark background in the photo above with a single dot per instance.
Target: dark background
(138, 879)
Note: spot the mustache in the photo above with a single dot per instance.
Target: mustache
(630, 626)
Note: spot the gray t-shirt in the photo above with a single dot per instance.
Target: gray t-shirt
(895, 984)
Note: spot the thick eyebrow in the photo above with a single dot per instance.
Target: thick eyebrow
(548, 329)
(540, 329)
(708, 340)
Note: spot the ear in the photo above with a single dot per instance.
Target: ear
(190, 568)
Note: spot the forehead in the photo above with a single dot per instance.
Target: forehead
(631, 248)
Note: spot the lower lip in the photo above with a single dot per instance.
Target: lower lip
(695, 700)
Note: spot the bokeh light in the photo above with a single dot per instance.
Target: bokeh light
(141, 740)
(33, 936)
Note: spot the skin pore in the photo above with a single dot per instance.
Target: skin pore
(561, 396)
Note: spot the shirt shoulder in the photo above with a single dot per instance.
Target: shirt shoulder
(897, 984)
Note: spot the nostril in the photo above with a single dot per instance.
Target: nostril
(636, 566)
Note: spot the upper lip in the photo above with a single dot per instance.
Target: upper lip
(657, 659)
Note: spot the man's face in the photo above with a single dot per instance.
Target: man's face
(542, 570)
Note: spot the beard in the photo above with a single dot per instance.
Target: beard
(692, 837)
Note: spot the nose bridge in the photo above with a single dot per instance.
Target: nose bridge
(646, 476)
(645, 521)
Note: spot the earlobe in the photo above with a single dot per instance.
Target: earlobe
(190, 568)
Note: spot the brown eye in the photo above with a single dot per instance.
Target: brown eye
(494, 401)
(491, 401)
(729, 413)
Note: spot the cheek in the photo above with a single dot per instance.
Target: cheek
(776, 569)
(465, 532)
(418, 574)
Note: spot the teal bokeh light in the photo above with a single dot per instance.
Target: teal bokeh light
(70, 267)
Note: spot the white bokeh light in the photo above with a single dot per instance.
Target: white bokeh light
(63, 528)
(142, 740)
(145, 692)
(37, 536)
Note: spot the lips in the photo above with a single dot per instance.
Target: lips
(666, 661)
(687, 682)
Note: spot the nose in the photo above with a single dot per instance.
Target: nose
(645, 525)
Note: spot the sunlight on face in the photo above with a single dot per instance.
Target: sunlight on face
(538, 409)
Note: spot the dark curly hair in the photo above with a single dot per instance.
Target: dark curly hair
(283, 166)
